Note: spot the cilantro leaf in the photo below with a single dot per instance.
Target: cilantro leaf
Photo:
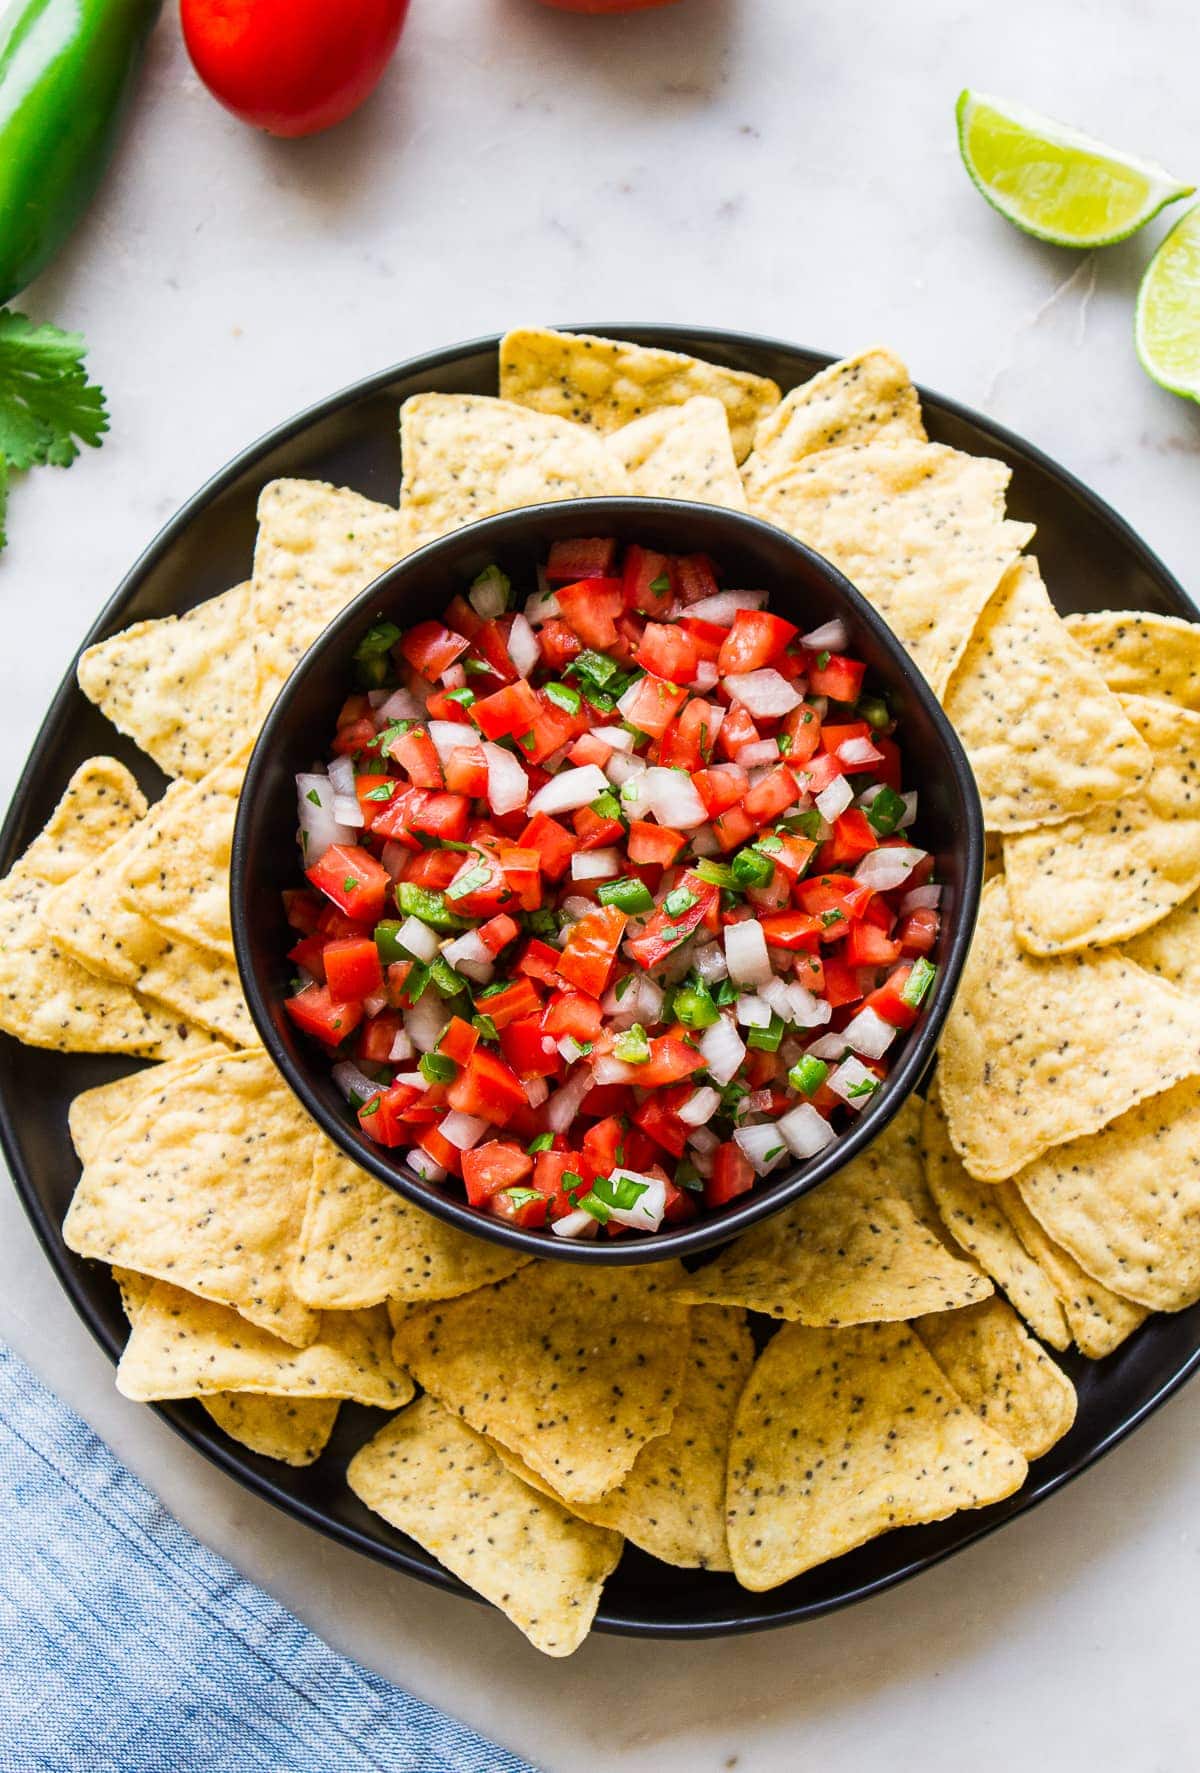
(3, 499)
(47, 405)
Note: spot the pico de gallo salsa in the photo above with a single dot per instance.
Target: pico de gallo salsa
(611, 905)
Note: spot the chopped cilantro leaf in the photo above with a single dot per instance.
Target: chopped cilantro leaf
(47, 405)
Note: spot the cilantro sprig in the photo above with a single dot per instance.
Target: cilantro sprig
(48, 408)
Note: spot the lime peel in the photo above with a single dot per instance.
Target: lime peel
(1167, 322)
(1053, 182)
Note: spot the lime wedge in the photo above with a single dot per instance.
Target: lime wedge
(1053, 182)
(1167, 328)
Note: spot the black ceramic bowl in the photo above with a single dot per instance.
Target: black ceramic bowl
(802, 587)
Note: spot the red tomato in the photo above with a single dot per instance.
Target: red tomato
(291, 67)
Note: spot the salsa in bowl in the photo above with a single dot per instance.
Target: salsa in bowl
(631, 867)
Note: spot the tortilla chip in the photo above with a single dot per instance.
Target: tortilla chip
(682, 452)
(1141, 654)
(999, 1371)
(46, 998)
(1126, 1202)
(863, 399)
(183, 687)
(183, 1346)
(177, 873)
(918, 528)
(1046, 738)
(318, 546)
(844, 1434)
(91, 922)
(435, 1479)
(1100, 1319)
(133, 1287)
(606, 383)
(468, 456)
(95, 1114)
(1036, 1052)
(293, 1430)
(1171, 948)
(859, 1249)
(973, 1214)
(362, 1243)
(575, 1369)
(1110, 873)
(205, 1188)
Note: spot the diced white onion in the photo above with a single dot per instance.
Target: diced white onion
(424, 1165)
(923, 898)
(699, 1109)
(710, 963)
(649, 999)
(451, 735)
(536, 1090)
(673, 798)
(402, 1048)
(828, 1046)
(766, 693)
(909, 815)
(830, 637)
(317, 821)
(704, 841)
(416, 1080)
(764, 1146)
(469, 954)
(807, 1011)
(577, 906)
(570, 1049)
(595, 864)
(426, 1022)
(703, 1139)
(746, 954)
(607, 1070)
(563, 1106)
(454, 677)
(376, 1002)
(804, 1131)
(347, 811)
(707, 675)
(569, 789)
(400, 705)
(832, 801)
(417, 937)
(541, 607)
(850, 1076)
(617, 738)
(462, 1130)
(395, 859)
(775, 995)
(488, 596)
(627, 702)
(868, 1034)
(886, 868)
(523, 648)
(341, 774)
(753, 1012)
(856, 751)
(723, 606)
(620, 768)
(646, 1213)
(577, 1224)
(722, 1049)
(508, 785)
(354, 1083)
(757, 752)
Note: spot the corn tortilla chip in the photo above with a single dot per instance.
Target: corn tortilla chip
(999, 1371)
(1141, 654)
(1125, 1203)
(362, 1243)
(1113, 872)
(1171, 948)
(973, 1214)
(318, 546)
(859, 1249)
(606, 383)
(841, 1435)
(95, 1114)
(434, 1478)
(1036, 1052)
(1046, 737)
(182, 687)
(1100, 1319)
(184, 1346)
(46, 998)
(573, 1369)
(205, 1188)
(293, 1430)
(918, 528)
(868, 398)
(468, 456)
(682, 452)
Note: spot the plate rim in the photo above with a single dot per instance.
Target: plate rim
(185, 1416)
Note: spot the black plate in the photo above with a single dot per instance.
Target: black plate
(1091, 559)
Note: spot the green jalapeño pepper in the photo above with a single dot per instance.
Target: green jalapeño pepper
(67, 70)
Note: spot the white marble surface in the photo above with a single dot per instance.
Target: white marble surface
(763, 164)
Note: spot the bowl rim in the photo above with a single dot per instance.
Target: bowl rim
(754, 1207)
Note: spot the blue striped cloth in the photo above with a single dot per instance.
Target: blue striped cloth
(128, 1647)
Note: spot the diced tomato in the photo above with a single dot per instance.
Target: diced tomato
(888, 1002)
(439, 1148)
(516, 1001)
(658, 1117)
(573, 1013)
(839, 678)
(667, 651)
(302, 909)
(591, 608)
(647, 583)
(826, 893)
(695, 578)
(460, 616)
(732, 1174)
(671, 1059)
(834, 737)
(359, 736)
(591, 947)
(498, 932)
(353, 968)
(653, 845)
(770, 798)
(549, 1170)
(688, 742)
(737, 729)
(431, 648)
(867, 946)
(581, 557)
(803, 728)
(918, 932)
(560, 644)
(314, 1011)
(355, 882)
(520, 1207)
(665, 931)
(467, 771)
(603, 1147)
(754, 640)
(490, 641)
(415, 752)
(377, 1036)
(733, 827)
(527, 1047)
(522, 873)
(707, 637)
(309, 953)
(793, 930)
(510, 710)
(595, 831)
(817, 774)
(888, 772)
(539, 961)
(486, 1087)
(440, 706)
(553, 843)
(459, 1041)
(434, 869)
(374, 793)
(852, 838)
(590, 748)
(721, 787)
(488, 1168)
(654, 704)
